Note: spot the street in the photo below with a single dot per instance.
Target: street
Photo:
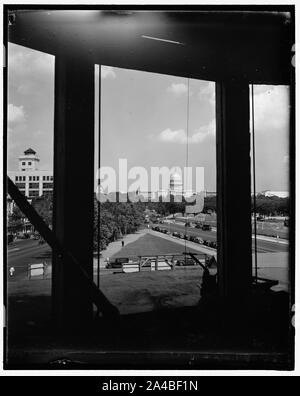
(263, 246)
(24, 252)
(28, 251)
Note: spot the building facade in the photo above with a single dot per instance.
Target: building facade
(279, 194)
(31, 181)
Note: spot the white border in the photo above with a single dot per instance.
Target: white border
(149, 373)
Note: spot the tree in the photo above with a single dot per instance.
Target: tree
(115, 219)
(15, 220)
(44, 206)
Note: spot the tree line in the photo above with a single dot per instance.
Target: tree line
(121, 218)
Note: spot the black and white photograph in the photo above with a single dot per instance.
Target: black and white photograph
(149, 188)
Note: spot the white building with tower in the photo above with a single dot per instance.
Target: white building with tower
(31, 181)
(176, 186)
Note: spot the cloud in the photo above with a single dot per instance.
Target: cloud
(204, 132)
(107, 72)
(16, 114)
(178, 89)
(271, 109)
(179, 136)
(207, 92)
(169, 136)
(24, 62)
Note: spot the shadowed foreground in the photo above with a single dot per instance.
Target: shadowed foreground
(177, 330)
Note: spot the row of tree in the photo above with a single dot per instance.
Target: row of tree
(271, 206)
(265, 206)
(43, 205)
(116, 219)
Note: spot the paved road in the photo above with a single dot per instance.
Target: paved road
(24, 252)
(263, 246)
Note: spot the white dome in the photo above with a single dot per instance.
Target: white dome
(175, 176)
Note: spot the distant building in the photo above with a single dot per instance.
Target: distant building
(176, 186)
(175, 189)
(31, 181)
(280, 194)
(210, 194)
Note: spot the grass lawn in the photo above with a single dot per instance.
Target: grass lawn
(149, 245)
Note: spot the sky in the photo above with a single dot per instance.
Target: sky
(144, 118)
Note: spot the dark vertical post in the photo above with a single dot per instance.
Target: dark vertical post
(234, 192)
(73, 189)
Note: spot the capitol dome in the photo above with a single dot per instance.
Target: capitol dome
(175, 177)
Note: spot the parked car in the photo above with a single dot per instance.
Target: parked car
(117, 263)
(206, 227)
(185, 262)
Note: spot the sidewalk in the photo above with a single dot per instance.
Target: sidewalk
(115, 247)
(271, 239)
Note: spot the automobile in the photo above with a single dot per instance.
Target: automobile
(23, 236)
(185, 262)
(117, 263)
(181, 235)
(211, 244)
(206, 227)
(199, 240)
(198, 225)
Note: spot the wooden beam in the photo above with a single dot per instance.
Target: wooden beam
(73, 189)
(234, 191)
(59, 252)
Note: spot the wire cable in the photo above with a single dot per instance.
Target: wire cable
(254, 184)
(186, 160)
(98, 181)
